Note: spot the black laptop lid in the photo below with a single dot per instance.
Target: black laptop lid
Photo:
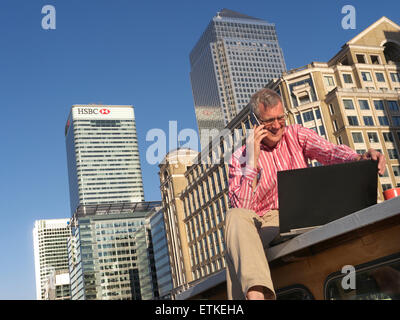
(317, 195)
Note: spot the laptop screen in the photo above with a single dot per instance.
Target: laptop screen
(317, 195)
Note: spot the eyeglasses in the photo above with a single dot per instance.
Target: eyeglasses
(281, 119)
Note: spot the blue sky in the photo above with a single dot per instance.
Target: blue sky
(116, 52)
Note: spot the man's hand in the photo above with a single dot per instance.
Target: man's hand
(253, 144)
(375, 155)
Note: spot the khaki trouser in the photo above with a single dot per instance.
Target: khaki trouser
(246, 237)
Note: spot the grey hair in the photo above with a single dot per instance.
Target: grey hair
(267, 97)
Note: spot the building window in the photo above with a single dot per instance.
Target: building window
(380, 77)
(331, 110)
(222, 147)
(368, 121)
(298, 119)
(396, 121)
(366, 76)
(373, 137)
(360, 58)
(378, 104)
(393, 155)
(347, 78)
(308, 116)
(318, 114)
(353, 121)
(335, 126)
(364, 105)
(383, 120)
(322, 130)
(219, 181)
(344, 61)
(387, 136)
(329, 81)
(339, 140)
(395, 76)
(304, 99)
(385, 174)
(348, 104)
(208, 189)
(374, 59)
(386, 186)
(224, 175)
(203, 196)
(393, 105)
(396, 171)
(360, 151)
(357, 137)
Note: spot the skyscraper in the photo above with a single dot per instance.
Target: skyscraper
(50, 250)
(58, 286)
(236, 56)
(111, 252)
(103, 156)
(161, 256)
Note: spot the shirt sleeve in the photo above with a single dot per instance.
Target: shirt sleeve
(241, 177)
(317, 148)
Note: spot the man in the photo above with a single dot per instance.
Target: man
(253, 222)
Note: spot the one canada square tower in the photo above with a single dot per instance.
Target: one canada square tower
(235, 56)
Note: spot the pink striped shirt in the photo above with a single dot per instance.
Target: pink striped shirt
(298, 144)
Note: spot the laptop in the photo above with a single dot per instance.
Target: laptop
(314, 196)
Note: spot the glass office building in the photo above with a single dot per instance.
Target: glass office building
(103, 156)
(236, 56)
(111, 252)
(58, 286)
(161, 256)
(50, 251)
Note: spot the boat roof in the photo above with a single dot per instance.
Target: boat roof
(349, 223)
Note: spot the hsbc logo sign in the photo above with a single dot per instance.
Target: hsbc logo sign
(103, 111)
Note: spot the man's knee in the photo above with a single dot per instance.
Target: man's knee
(238, 215)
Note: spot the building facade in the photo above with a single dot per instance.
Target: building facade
(236, 56)
(58, 286)
(353, 98)
(161, 255)
(111, 252)
(103, 156)
(50, 250)
(172, 183)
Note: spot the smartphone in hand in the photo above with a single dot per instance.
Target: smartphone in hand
(254, 120)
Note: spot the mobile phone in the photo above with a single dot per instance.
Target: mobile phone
(254, 120)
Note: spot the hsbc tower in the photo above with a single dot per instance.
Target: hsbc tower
(103, 155)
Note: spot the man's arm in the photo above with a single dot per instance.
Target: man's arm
(243, 171)
(242, 183)
(316, 147)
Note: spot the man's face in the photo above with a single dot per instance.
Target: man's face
(276, 127)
